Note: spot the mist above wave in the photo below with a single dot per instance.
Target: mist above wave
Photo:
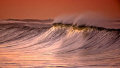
(89, 19)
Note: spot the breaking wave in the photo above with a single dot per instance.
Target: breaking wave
(60, 39)
(73, 37)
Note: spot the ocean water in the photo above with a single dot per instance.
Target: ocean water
(41, 44)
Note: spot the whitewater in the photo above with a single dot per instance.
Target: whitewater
(85, 41)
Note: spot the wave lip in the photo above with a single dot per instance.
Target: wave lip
(84, 27)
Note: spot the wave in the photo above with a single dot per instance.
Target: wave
(61, 41)
(61, 38)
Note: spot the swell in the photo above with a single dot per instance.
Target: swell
(14, 36)
(13, 33)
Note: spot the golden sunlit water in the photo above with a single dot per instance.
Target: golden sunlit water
(24, 60)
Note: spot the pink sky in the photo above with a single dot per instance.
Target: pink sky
(45, 9)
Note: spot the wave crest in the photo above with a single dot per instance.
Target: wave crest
(89, 19)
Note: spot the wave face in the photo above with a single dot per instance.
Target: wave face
(82, 47)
